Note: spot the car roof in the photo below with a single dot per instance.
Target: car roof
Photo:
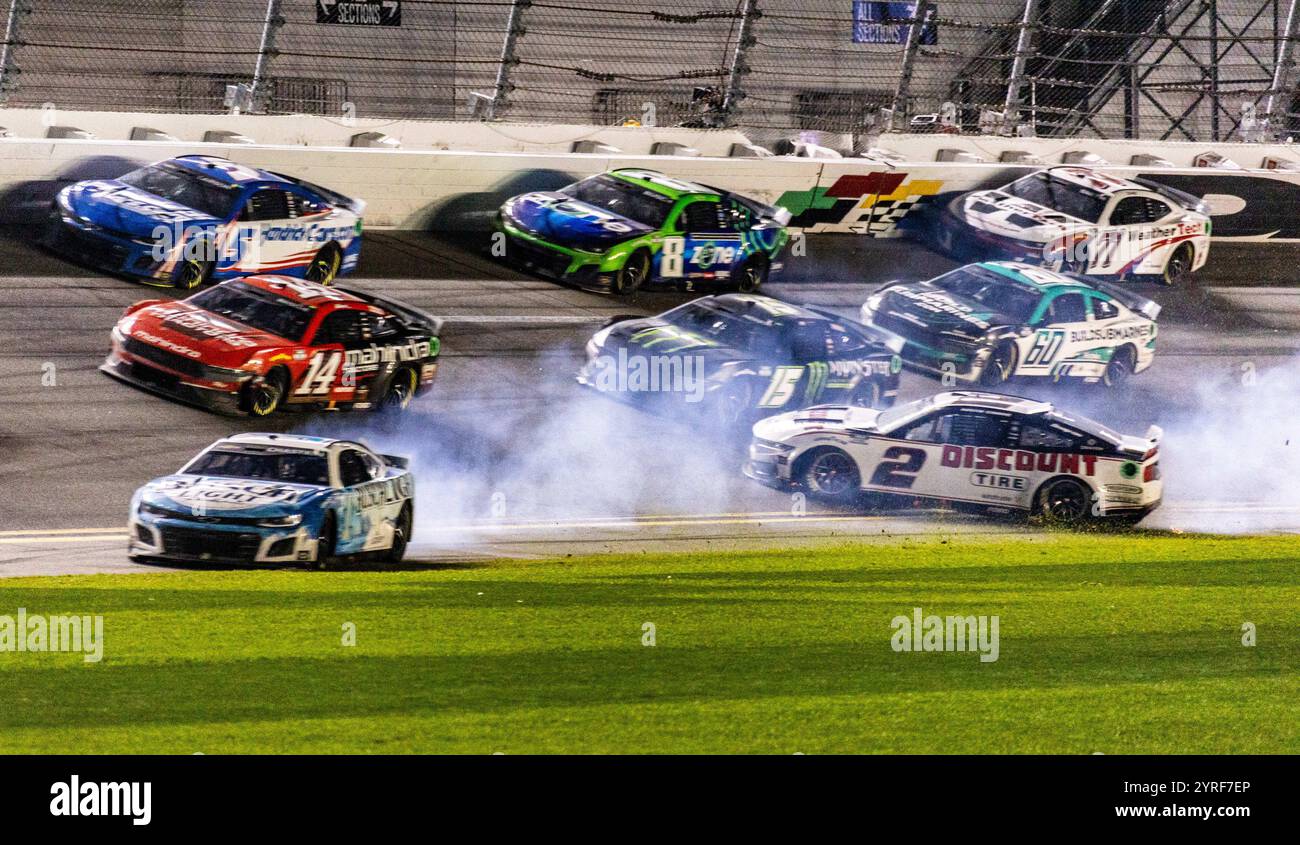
(661, 183)
(764, 308)
(990, 401)
(1102, 183)
(219, 168)
(287, 441)
(304, 292)
(1033, 276)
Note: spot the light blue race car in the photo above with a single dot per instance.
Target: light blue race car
(195, 219)
(277, 498)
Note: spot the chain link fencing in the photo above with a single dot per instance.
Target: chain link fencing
(1194, 69)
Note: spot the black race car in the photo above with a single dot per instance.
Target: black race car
(739, 357)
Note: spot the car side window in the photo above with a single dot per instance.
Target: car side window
(845, 341)
(1103, 309)
(267, 204)
(346, 326)
(704, 216)
(1128, 211)
(966, 428)
(1156, 209)
(741, 217)
(1046, 438)
(374, 467)
(1067, 308)
(808, 342)
(352, 468)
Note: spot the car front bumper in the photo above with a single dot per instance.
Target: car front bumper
(112, 252)
(199, 542)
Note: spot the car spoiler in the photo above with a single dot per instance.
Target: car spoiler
(357, 207)
(1191, 202)
(397, 461)
(407, 312)
(1131, 299)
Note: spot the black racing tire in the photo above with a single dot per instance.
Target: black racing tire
(1064, 500)
(634, 273)
(326, 543)
(1121, 365)
(868, 394)
(830, 474)
(1000, 366)
(751, 275)
(324, 267)
(401, 536)
(732, 405)
(193, 274)
(400, 391)
(1179, 266)
(265, 395)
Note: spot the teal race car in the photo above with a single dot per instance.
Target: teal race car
(617, 231)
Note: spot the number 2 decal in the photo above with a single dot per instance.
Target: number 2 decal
(321, 372)
(899, 468)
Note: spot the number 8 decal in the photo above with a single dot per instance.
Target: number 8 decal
(672, 261)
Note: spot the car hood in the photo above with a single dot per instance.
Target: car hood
(562, 220)
(121, 208)
(196, 334)
(1012, 217)
(924, 307)
(820, 418)
(201, 495)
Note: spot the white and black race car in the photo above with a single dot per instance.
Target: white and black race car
(277, 498)
(981, 450)
(1082, 221)
(987, 323)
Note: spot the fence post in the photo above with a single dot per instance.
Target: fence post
(259, 94)
(924, 12)
(514, 29)
(8, 70)
(732, 96)
(1011, 108)
(1284, 65)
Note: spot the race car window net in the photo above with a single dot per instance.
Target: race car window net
(995, 292)
(268, 204)
(1068, 308)
(284, 468)
(1103, 309)
(1059, 195)
(257, 308)
(962, 428)
(184, 186)
(643, 206)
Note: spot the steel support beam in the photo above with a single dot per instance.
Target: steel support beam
(1284, 65)
(923, 15)
(1024, 42)
(501, 90)
(733, 94)
(259, 93)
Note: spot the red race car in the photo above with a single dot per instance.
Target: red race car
(261, 343)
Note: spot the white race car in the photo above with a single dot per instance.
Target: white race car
(990, 322)
(277, 498)
(994, 452)
(1082, 221)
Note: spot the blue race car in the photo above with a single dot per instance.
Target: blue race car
(277, 498)
(194, 219)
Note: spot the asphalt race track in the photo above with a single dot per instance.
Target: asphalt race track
(513, 457)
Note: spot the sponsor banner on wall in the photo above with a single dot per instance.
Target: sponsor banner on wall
(361, 12)
(882, 23)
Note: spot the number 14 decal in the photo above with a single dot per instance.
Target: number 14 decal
(321, 372)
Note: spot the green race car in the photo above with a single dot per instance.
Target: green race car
(626, 228)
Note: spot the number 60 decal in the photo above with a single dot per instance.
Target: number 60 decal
(899, 468)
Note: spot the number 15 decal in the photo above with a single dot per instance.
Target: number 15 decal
(899, 468)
